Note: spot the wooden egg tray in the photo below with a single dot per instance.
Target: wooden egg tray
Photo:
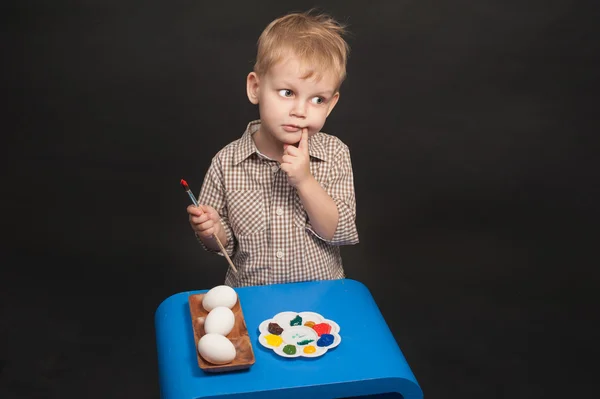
(238, 336)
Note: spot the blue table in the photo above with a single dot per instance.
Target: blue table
(368, 361)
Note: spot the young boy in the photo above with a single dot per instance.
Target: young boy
(281, 198)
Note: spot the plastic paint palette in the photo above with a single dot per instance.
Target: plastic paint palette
(293, 334)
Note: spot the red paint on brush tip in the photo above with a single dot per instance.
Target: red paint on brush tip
(184, 184)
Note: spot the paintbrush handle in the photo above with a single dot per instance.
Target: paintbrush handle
(225, 253)
(192, 197)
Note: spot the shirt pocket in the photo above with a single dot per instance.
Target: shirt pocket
(300, 215)
(246, 212)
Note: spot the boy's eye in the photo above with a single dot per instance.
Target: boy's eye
(318, 100)
(285, 93)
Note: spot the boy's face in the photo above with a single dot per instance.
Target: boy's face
(288, 103)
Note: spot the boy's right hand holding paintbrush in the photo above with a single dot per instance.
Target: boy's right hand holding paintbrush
(205, 222)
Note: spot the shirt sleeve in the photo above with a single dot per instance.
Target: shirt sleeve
(341, 190)
(212, 193)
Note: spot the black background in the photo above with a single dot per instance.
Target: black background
(472, 131)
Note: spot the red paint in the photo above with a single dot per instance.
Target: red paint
(322, 328)
(184, 184)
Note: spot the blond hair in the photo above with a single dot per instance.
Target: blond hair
(316, 39)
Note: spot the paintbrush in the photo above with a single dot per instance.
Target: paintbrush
(195, 202)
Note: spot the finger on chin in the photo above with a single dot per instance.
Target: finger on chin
(292, 150)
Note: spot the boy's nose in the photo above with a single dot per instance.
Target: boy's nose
(298, 110)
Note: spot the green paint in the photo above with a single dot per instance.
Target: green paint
(306, 341)
(296, 321)
(289, 349)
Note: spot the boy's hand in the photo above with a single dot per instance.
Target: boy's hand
(205, 220)
(295, 161)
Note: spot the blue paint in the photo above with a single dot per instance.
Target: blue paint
(325, 340)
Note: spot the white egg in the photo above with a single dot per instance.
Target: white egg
(216, 349)
(221, 295)
(220, 320)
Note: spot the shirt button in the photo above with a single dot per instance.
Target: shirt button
(274, 168)
(279, 211)
(279, 254)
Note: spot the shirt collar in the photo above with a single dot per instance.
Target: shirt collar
(246, 146)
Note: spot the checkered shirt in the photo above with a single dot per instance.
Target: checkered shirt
(269, 236)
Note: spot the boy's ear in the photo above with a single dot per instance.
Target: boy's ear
(252, 87)
(333, 102)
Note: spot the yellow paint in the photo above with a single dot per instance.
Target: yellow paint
(310, 349)
(273, 340)
(309, 323)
